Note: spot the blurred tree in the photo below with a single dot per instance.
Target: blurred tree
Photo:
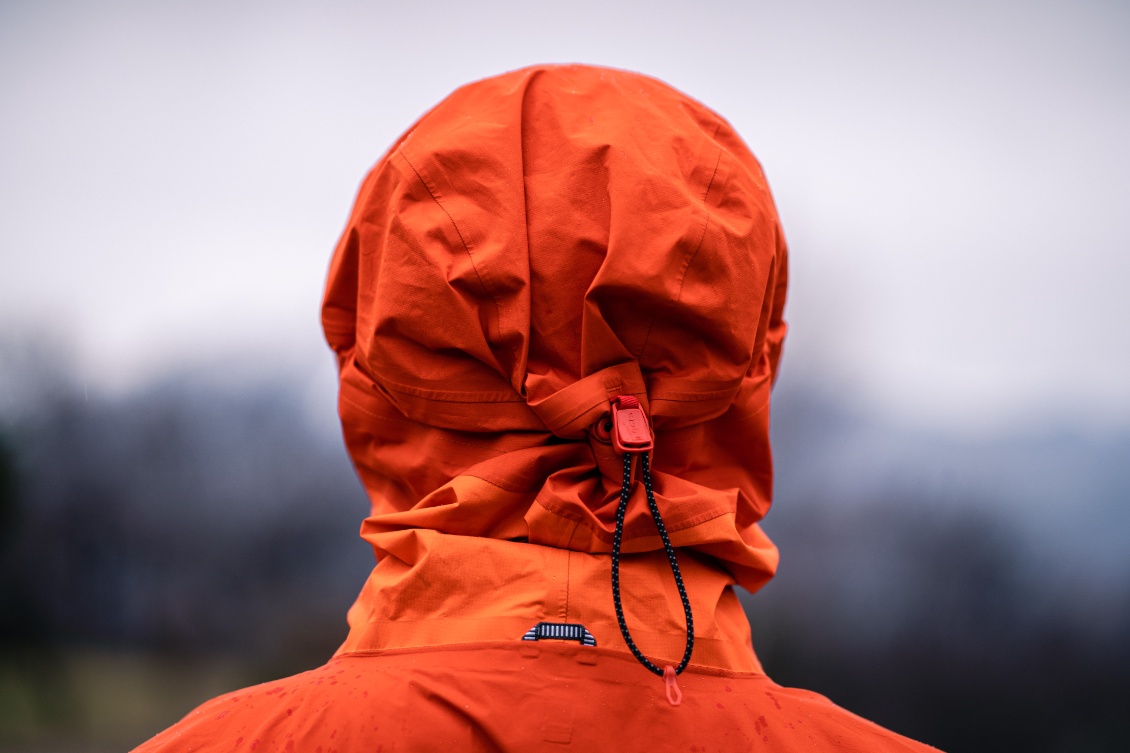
(203, 519)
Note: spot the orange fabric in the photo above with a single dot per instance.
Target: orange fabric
(491, 697)
(537, 244)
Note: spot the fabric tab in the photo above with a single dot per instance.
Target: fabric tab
(560, 631)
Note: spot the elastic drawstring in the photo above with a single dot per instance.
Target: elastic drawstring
(674, 695)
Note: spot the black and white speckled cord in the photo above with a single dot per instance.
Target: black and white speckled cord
(625, 493)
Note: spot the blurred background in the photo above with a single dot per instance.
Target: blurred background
(952, 422)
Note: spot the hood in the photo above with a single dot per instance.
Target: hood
(537, 244)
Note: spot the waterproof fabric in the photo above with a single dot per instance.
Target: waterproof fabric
(487, 698)
(538, 244)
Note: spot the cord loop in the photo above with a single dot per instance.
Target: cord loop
(621, 511)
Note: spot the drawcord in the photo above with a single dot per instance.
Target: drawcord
(668, 673)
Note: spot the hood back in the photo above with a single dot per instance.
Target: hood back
(539, 243)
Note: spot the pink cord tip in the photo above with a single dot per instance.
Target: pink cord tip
(674, 695)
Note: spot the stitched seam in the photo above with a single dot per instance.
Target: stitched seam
(378, 416)
(705, 226)
(393, 387)
(569, 568)
(529, 82)
(442, 396)
(416, 423)
(512, 644)
(497, 485)
(701, 238)
(684, 525)
(573, 415)
(467, 248)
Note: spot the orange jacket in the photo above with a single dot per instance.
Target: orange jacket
(536, 247)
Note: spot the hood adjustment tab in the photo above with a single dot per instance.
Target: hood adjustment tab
(630, 431)
(631, 436)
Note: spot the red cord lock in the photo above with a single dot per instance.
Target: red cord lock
(630, 432)
(674, 695)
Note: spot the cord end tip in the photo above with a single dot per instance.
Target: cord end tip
(674, 694)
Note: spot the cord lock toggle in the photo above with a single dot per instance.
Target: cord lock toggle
(630, 430)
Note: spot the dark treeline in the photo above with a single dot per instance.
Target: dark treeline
(973, 593)
(926, 582)
(183, 519)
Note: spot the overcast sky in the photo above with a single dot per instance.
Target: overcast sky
(953, 179)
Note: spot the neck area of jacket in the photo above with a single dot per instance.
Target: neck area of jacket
(534, 246)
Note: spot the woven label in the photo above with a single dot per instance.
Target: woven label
(560, 631)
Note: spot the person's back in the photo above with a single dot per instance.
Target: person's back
(557, 311)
